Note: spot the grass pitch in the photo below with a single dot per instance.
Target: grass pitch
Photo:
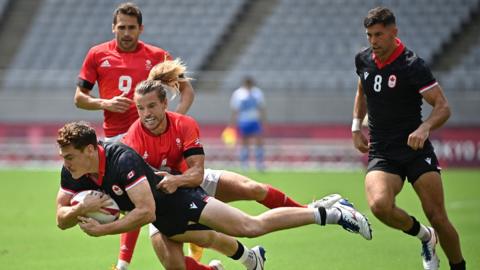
(29, 238)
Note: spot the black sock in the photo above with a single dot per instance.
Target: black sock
(458, 266)
(415, 227)
(323, 215)
(239, 252)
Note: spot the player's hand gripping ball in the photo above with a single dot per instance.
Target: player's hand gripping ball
(106, 214)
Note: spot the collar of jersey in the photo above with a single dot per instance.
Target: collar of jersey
(398, 51)
(101, 164)
(139, 47)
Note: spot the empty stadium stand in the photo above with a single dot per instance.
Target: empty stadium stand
(62, 32)
(310, 45)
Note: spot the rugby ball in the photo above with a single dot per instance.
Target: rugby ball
(112, 209)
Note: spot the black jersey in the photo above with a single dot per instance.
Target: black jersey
(393, 93)
(120, 168)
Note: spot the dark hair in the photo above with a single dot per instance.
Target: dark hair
(129, 9)
(248, 81)
(78, 134)
(378, 15)
(149, 86)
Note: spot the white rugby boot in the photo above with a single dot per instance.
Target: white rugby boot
(352, 220)
(326, 202)
(429, 255)
(258, 258)
(216, 264)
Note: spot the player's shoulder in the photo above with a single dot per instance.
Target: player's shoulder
(241, 91)
(134, 133)
(152, 49)
(118, 153)
(65, 174)
(365, 54)
(413, 60)
(135, 127)
(179, 120)
(103, 47)
(178, 116)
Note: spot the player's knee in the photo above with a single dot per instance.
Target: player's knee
(207, 240)
(380, 208)
(250, 228)
(437, 219)
(256, 190)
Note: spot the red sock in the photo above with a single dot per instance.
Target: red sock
(276, 198)
(127, 245)
(191, 264)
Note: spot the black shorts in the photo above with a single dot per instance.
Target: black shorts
(180, 211)
(412, 169)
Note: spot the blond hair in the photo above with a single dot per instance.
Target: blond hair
(170, 73)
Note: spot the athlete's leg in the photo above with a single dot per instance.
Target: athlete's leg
(381, 188)
(224, 244)
(220, 242)
(233, 187)
(170, 254)
(128, 241)
(259, 152)
(430, 191)
(229, 220)
(244, 151)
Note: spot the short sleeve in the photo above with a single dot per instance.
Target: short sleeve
(191, 137)
(234, 101)
(358, 64)
(421, 78)
(66, 183)
(88, 73)
(131, 169)
(260, 97)
(133, 139)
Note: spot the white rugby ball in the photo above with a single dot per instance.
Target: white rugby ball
(112, 209)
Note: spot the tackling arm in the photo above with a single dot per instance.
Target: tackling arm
(187, 94)
(192, 177)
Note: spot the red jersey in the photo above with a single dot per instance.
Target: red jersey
(168, 150)
(118, 72)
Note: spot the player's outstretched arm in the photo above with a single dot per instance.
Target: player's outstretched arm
(187, 95)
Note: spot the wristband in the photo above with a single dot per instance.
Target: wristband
(356, 124)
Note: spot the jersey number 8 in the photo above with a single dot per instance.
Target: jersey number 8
(377, 85)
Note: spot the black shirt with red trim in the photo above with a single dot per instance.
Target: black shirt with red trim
(120, 168)
(393, 92)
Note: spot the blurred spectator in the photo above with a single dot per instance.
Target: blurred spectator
(248, 113)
